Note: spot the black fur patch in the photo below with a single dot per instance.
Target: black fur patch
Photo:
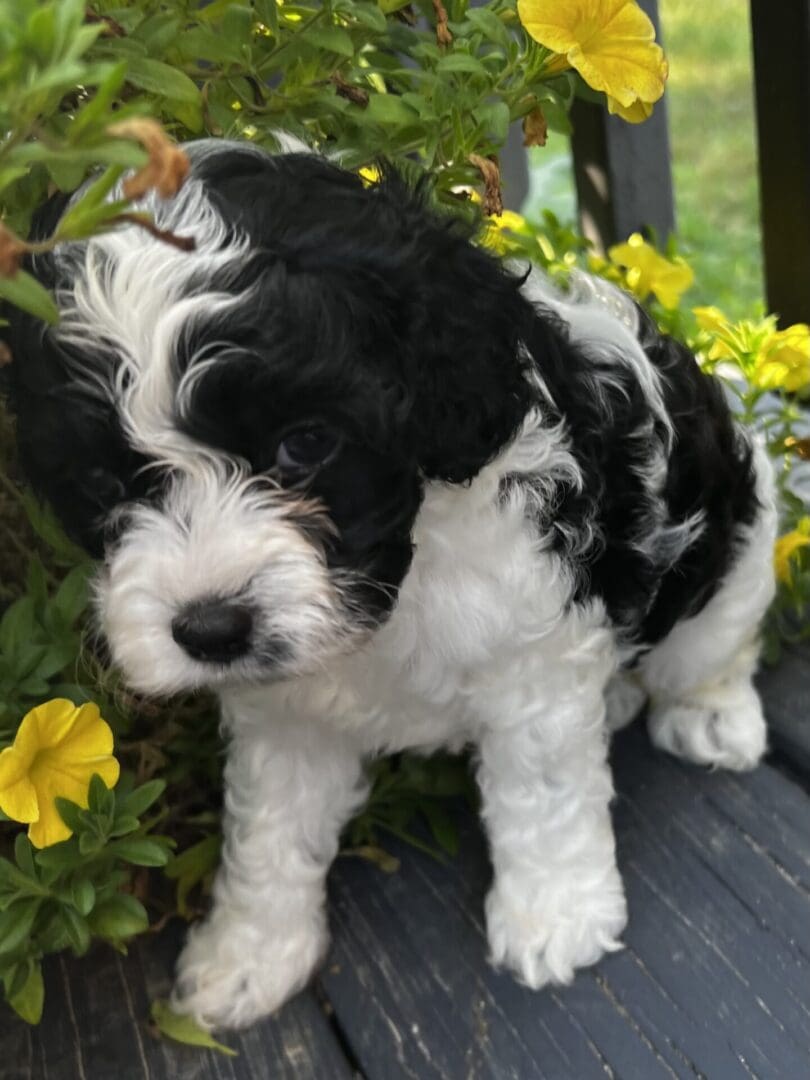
(71, 446)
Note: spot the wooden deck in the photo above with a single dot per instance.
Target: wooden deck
(714, 980)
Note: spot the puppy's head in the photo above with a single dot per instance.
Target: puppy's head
(243, 433)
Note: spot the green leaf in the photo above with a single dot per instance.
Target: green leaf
(123, 825)
(189, 113)
(120, 917)
(330, 38)
(14, 880)
(70, 813)
(71, 596)
(76, 928)
(159, 32)
(185, 1030)
(16, 922)
(58, 857)
(17, 625)
(368, 15)
(142, 797)
(100, 800)
(494, 119)
(83, 896)
(161, 79)
(388, 109)
(191, 867)
(490, 25)
(55, 659)
(459, 61)
(141, 851)
(24, 291)
(46, 525)
(36, 584)
(24, 855)
(200, 43)
(90, 843)
(28, 1001)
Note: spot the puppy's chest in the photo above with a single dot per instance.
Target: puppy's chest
(479, 592)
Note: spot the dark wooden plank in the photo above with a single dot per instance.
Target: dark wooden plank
(622, 171)
(781, 39)
(413, 993)
(715, 979)
(777, 899)
(96, 1027)
(785, 690)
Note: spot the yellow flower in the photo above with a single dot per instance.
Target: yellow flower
(57, 749)
(786, 547)
(493, 237)
(493, 234)
(636, 113)
(784, 360)
(712, 319)
(369, 174)
(647, 271)
(611, 43)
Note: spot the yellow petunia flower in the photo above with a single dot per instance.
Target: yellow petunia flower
(493, 236)
(786, 548)
(636, 113)
(711, 319)
(647, 271)
(369, 174)
(784, 360)
(57, 749)
(770, 359)
(611, 43)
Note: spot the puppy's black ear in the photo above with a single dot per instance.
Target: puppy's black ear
(71, 448)
(471, 392)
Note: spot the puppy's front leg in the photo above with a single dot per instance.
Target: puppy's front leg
(557, 901)
(290, 785)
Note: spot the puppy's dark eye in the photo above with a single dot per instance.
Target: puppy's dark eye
(307, 448)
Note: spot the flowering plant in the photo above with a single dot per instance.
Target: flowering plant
(87, 771)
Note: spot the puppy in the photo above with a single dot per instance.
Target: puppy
(383, 492)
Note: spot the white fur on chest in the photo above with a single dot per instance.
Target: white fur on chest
(480, 594)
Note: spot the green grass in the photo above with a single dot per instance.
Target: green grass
(711, 115)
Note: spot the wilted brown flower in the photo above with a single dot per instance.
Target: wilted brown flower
(167, 166)
(493, 200)
(535, 128)
(12, 249)
(443, 35)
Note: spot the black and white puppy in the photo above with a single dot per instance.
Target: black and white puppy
(381, 492)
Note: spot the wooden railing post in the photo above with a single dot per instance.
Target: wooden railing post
(622, 171)
(781, 38)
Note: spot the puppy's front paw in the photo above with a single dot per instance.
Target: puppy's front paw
(234, 971)
(544, 939)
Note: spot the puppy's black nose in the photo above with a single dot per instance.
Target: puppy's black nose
(213, 630)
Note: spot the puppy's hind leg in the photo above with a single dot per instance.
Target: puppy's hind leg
(704, 707)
